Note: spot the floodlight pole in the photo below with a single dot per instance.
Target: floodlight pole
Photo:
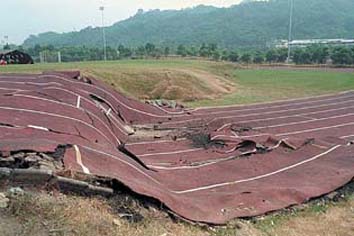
(6, 39)
(290, 29)
(104, 35)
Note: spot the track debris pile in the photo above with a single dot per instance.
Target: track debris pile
(207, 165)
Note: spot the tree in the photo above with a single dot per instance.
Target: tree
(352, 52)
(301, 56)
(192, 51)
(233, 56)
(124, 52)
(150, 49)
(204, 51)
(216, 55)
(271, 56)
(212, 47)
(341, 56)
(282, 55)
(258, 58)
(37, 49)
(181, 50)
(7, 47)
(246, 58)
(225, 55)
(166, 51)
(319, 54)
(140, 51)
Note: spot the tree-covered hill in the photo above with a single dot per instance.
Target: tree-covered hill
(249, 24)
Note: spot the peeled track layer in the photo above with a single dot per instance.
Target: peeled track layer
(242, 161)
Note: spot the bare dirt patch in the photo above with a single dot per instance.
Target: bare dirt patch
(171, 84)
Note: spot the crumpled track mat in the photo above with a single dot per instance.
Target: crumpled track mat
(246, 161)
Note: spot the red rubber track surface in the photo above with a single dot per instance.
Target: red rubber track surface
(272, 156)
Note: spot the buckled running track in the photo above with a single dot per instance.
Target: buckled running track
(272, 156)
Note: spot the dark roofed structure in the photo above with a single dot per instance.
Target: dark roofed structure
(15, 57)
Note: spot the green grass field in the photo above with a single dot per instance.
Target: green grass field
(143, 79)
(269, 85)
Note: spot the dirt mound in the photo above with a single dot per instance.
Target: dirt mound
(171, 84)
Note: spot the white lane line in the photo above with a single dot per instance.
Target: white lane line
(69, 105)
(281, 106)
(124, 131)
(11, 77)
(247, 121)
(209, 162)
(169, 153)
(137, 110)
(194, 166)
(111, 95)
(78, 102)
(91, 102)
(70, 92)
(317, 129)
(348, 136)
(119, 122)
(208, 187)
(308, 117)
(285, 110)
(79, 160)
(12, 89)
(164, 116)
(38, 127)
(10, 127)
(303, 122)
(301, 131)
(262, 113)
(31, 83)
(278, 101)
(154, 141)
(59, 116)
(284, 117)
(171, 112)
(126, 163)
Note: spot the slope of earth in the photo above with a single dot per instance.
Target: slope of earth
(262, 157)
(45, 214)
(150, 80)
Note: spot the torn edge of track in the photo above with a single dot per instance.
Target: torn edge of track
(127, 204)
(92, 186)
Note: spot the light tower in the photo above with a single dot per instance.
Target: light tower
(290, 29)
(6, 38)
(102, 8)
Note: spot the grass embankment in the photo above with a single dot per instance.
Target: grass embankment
(204, 83)
(43, 214)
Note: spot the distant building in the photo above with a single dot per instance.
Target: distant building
(15, 57)
(308, 42)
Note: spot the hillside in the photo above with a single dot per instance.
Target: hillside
(249, 24)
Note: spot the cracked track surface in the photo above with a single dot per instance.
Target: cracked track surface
(208, 165)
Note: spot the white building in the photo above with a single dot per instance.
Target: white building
(308, 42)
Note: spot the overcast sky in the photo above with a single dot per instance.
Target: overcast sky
(20, 18)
